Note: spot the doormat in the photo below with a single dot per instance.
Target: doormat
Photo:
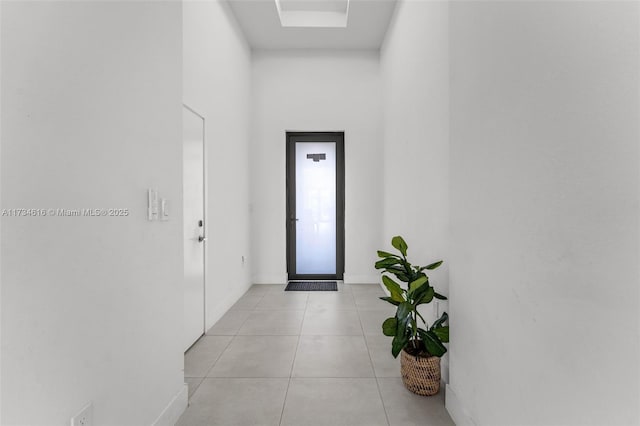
(312, 286)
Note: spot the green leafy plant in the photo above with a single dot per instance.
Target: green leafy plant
(416, 290)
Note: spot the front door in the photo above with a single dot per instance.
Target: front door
(315, 205)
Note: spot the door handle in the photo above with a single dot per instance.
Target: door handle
(202, 239)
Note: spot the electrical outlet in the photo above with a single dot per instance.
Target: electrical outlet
(84, 417)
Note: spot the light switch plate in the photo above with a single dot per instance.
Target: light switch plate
(152, 208)
(84, 417)
(164, 209)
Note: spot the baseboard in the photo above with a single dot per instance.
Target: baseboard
(361, 278)
(270, 279)
(444, 368)
(174, 409)
(456, 410)
(348, 279)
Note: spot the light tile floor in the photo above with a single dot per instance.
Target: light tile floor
(303, 359)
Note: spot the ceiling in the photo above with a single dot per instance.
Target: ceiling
(366, 23)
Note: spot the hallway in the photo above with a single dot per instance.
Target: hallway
(303, 358)
(501, 137)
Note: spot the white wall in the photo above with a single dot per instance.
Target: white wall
(544, 207)
(217, 85)
(0, 220)
(415, 71)
(315, 90)
(91, 306)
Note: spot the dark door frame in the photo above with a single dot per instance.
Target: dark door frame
(292, 138)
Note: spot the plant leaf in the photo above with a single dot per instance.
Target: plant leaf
(440, 321)
(442, 333)
(390, 300)
(402, 277)
(433, 265)
(404, 309)
(398, 343)
(394, 288)
(398, 243)
(403, 315)
(390, 326)
(386, 254)
(426, 297)
(415, 285)
(399, 272)
(439, 296)
(432, 343)
(396, 269)
(386, 262)
(420, 291)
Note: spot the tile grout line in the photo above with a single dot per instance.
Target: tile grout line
(218, 357)
(232, 337)
(363, 378)
(236, 310)
(207, 372)
(195, 390)
(226, 346)
(386, 415)
(295, 354)
(252, 310)
(305, 308)
(286, 392)
(261, 298)
(270, 335)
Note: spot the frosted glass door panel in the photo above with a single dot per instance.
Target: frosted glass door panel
(315, 207)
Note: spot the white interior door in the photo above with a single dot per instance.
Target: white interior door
(194, 236)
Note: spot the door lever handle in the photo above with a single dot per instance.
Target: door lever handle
(201, 238)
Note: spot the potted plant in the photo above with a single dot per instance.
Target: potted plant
(421, 347)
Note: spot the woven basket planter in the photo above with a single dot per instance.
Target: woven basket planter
(419, 374)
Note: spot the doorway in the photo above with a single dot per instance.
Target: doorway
(194, 227)
(315, 205)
